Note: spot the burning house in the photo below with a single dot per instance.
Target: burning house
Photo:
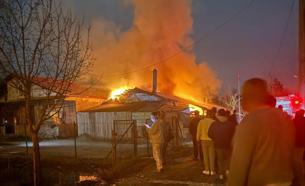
(125, 56)
(125, 106)
(12, 109)
(133, 105)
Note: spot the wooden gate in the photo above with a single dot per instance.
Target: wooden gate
(124, 131)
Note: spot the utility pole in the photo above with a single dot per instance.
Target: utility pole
(301, 86)
(239, 97)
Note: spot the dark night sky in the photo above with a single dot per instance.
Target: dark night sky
(247, 44)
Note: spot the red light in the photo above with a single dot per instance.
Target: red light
(296, 102)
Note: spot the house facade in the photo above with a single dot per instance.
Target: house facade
(61, 124)
(135, 105)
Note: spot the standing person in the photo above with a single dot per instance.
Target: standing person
(221, 132)
(263, 143)
(193, 131)
(167, 136)
(233, 118)
(298, 167)
(156, 139)
(207, 144)
(213, 113)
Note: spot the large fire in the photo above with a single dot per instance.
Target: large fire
(188, 97)
(116, 93)
(128, 56)
(193, 108)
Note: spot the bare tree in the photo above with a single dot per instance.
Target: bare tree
(277, 88)
(41, 44)
(231, 100)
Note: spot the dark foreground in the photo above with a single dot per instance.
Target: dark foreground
(60, 169)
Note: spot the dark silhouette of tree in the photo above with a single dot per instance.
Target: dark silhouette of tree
(277, 88)
(40, 43)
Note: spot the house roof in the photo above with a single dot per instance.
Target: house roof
(75, 89)
(139, 100)
(143, 106)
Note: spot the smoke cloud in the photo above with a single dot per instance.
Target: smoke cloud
(159, 35)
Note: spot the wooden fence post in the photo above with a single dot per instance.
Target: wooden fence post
(26, 139)
(135, 138)
(147, 143)
(75, 136)
(114, 144)
(176, 131)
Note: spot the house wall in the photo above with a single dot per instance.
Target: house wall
(14, 94)
(83, 103)
(67, 120)
(100, 124)
(60, 125)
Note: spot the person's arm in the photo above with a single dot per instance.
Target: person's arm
(198, 134)
(243, 148)
(191, 127)
(211, 130)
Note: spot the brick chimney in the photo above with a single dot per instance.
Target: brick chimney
(155, 81)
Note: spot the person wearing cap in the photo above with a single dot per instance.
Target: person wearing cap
(263, 143)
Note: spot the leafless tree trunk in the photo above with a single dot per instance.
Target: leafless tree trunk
(41, 45)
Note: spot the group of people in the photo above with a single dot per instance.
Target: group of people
(211, 137)
(265, 149)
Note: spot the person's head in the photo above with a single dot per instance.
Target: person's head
(161, 115)
(210, 114)
(222, 112)
(213, 112)
(271, 101)
(299, 113)
(228, 113)
(254, 94)
(196, 114)
(280, 107)
(154, 116)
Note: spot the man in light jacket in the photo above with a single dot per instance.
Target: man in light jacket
(156, 139)
(263, 143)
(207, 144)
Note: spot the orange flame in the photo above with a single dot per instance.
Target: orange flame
(116, 93)
(127, 57)
(193, 108)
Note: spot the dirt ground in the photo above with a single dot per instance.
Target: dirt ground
(91, 168)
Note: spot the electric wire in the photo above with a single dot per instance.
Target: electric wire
(282, 39)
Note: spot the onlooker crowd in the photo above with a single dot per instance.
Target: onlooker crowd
(266, 148)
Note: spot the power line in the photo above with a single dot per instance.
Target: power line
(282, 38)
(238, 13)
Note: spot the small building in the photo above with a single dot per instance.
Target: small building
(134, 105)
(61, 124)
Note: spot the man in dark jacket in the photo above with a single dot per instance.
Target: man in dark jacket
(221, 132)
(299, 124)
(193, 131)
